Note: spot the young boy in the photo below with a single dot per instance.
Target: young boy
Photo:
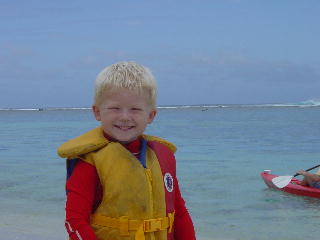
(124, 184)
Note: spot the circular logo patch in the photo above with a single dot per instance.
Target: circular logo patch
(168, 182)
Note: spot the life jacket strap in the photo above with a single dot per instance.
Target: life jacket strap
(124, 224)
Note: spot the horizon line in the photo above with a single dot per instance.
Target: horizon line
(177, 106)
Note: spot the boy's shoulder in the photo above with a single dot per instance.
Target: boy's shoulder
(170, 145)
(85, 143)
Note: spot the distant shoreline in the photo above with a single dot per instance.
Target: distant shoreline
(204, 106)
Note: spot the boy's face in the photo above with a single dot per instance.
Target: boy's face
(124, 114)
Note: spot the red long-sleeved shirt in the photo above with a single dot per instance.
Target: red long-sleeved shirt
(84, 193)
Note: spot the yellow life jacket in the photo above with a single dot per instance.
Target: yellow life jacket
(137, 202)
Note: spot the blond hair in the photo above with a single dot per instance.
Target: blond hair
(128, 75)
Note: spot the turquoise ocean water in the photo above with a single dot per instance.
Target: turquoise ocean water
(221, 151)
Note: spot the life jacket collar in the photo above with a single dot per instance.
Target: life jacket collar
(94, 140)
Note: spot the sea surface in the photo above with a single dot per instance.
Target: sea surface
(221, 151)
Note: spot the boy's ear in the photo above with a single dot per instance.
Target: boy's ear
(96, 112)
(152, 115)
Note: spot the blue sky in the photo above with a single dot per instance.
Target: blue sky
(201, 52)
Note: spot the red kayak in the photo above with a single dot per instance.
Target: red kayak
(293, 187)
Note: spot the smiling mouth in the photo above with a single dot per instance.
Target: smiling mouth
(124, 128)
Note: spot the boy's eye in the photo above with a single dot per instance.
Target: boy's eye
(136, 109)
(113, 108)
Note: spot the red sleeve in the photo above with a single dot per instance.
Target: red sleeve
(81, 196)
(183, 226)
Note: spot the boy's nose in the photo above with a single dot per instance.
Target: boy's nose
(125, 114)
